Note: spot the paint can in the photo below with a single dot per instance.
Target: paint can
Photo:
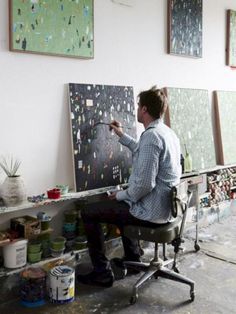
(33, 287)
(14, 254)
(62, 284)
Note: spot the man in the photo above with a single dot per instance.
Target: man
(156, 169)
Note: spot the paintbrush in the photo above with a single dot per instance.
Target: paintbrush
(123, 127)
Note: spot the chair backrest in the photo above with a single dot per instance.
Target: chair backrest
(180, 199)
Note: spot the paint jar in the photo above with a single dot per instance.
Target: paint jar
(34, 246)
(34, 257)
(33, 287)
(58, 243)
(70, 216)
(62, 284)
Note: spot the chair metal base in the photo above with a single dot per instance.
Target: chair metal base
(157, 269)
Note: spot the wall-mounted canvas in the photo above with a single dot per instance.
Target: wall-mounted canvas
(52, 27)
(231, 38)
(189, 115)
(225, 111)
(185, 28)
(99, 159)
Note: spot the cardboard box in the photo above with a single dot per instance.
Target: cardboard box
(27, 226)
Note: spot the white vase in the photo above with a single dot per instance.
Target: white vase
(13, 191)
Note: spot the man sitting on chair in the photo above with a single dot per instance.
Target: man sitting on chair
(156, 169)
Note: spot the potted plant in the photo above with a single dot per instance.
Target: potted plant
(13, 188)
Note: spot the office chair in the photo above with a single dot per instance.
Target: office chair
(163, 234)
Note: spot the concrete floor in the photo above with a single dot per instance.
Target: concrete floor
(213, 269)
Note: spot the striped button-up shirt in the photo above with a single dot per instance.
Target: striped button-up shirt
(156, 168)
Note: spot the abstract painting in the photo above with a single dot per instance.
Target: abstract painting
(185, 28)
(99, 159)
(225, 110)
(189, 115)
(231, 38)
(52, 27)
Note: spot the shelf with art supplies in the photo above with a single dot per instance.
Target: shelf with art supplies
(52, 196)
(220, 185)
(23, 241)
(58, 194)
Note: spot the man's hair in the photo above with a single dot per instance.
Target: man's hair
(155, 101)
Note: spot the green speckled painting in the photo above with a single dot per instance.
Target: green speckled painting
(52, 27)
(189, 115)
(231, 38)
(225, 105)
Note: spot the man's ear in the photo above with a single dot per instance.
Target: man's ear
(144, 109)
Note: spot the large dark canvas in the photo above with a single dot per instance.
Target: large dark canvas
(185, 28)
(99, 159)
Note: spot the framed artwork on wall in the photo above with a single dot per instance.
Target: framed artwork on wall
(189, 115)
(225, 113)
(99, 160)
(231, 38)
(185, 28)
(52, 27)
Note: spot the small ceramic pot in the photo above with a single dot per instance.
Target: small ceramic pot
(54, 193)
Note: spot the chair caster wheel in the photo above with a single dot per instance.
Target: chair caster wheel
(133, 299)
(192, 296)
(197, 247)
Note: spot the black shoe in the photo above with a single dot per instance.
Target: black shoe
(104, 279)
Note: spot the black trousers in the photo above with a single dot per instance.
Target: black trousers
(112, 212)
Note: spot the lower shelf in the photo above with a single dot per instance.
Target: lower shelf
(67, 257)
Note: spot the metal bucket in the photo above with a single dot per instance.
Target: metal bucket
(62, 284)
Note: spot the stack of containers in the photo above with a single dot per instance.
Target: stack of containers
(70, 227)
(44, 237)
(80, 242)
(34, 251)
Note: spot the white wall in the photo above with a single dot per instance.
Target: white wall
(130, 49)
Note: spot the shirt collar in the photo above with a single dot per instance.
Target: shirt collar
(154, 123)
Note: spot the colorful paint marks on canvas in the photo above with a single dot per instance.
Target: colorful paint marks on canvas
(99, 159)
(185, 28)
(189, 115)
(225, 123)
(57, 27)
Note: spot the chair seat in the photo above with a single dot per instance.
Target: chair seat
(159, 233)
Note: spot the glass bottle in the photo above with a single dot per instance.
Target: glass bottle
(188, 163)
